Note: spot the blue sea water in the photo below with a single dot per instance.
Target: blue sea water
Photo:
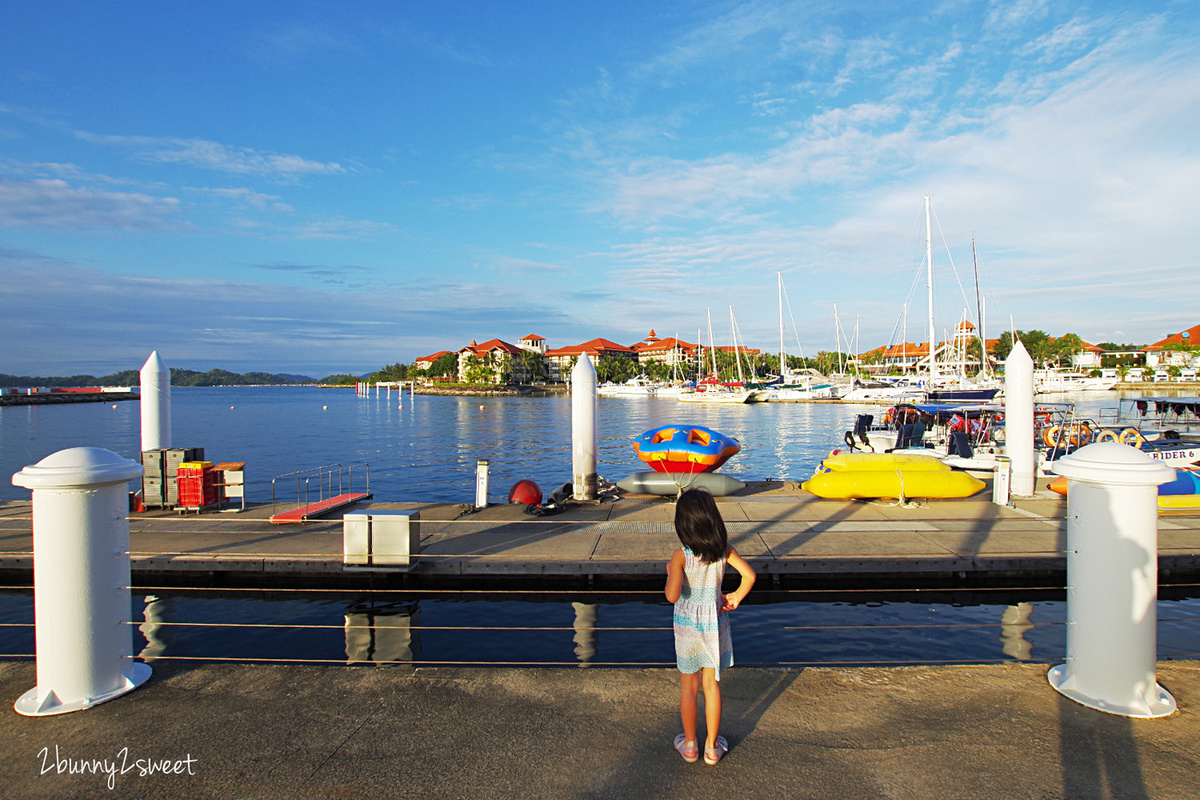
(423, 448)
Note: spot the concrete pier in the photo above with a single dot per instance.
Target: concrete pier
(303, 732)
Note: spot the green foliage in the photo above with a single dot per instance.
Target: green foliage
(340, 380)
(446, 364)
(179, 377)
(391, 372)
(1037, 344)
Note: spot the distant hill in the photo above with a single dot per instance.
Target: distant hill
(179, 377)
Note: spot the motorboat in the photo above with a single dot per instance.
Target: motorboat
(639, 386)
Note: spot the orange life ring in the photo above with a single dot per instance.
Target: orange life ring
(1079, 435)
(1132, 437)
(1053, 437)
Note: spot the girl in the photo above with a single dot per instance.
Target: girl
(702, 642)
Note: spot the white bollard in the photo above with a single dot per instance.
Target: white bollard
(481, 483)
(156, 404)
(1112, 581)
(1018, 420)
(1001, 477)
(81, 604)
(583, 430)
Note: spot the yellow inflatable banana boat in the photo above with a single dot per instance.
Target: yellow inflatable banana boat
(846, 476)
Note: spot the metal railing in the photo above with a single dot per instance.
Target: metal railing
(321, 481)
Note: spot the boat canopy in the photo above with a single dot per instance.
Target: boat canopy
(1161, 405)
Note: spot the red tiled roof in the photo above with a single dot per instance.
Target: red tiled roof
(593, 347)
(664, 345)
(533, 337)
(493, 344)
(1190, 337)
(434, 357)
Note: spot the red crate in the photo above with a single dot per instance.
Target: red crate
(197, 490)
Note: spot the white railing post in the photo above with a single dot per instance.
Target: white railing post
(1112, 581)
(81, 606)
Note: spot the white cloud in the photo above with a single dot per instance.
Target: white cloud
(105, 322)
(216, 156)
(56, 204)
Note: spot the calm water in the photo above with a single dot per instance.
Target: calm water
(602, 630)
(427, 450)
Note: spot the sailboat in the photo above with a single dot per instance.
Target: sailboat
(714, 391)
(948, 388)
(794, 387)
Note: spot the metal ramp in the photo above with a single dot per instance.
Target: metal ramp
(320, 490)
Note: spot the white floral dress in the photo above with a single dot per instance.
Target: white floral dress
(702, 637)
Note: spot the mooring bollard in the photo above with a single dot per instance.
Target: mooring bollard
(584, 482)
(482, 468)
(84, 639)
(1001, 475)
(1112, 581)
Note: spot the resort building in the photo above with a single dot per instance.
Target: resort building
(425, 362)
(494, 361)
(670, 351)
(1177, 350)
(560, 360)
(533, 343)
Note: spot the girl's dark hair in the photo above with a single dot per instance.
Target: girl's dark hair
(699, 526)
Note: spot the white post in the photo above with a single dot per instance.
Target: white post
(81, 605)
(156, 404)
(1018, 420)
(583, 430)
(482, 468)
(1112, 581)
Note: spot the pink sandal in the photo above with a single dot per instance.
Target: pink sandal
(713, 754)
(689, 750)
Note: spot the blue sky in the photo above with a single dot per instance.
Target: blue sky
(317, 188)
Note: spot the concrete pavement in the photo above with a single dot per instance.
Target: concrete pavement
(316, 732)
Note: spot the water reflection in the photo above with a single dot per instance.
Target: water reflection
(1014, 622)
(159, 633)
(383, 633)
(585, 632)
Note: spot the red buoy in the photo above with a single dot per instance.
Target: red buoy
(525, 492)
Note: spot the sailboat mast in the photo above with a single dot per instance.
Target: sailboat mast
(782, 357)
(736, 353)
(979, 311)
(712, 344)
(929, 286)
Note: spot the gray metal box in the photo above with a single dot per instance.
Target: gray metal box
(381, 539)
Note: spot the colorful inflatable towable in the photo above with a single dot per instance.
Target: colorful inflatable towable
(685, 448)
(1181, 494)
